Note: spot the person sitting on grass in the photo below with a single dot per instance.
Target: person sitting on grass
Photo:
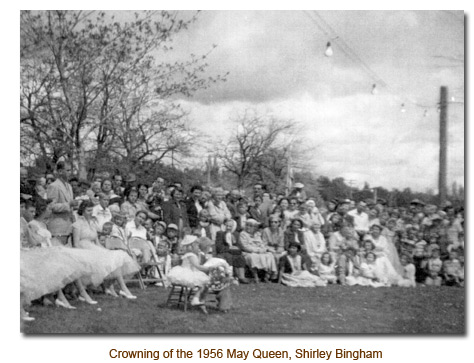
(408, 276)
(294, 272)
(433, 269)
(453, 270)
(369, 273)
(327, 268)
(191, 273)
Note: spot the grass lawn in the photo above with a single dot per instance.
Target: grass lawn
(267, 309)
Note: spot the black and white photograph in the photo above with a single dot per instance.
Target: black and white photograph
(242, 172)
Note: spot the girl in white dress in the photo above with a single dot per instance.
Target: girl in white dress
(327, 268)
(408, 277)
(191, 273)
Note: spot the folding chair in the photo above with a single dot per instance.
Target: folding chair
(146, 267)
(115, 243)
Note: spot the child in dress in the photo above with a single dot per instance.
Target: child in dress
(433, 269)
(191, 273)
(369, 275)
(163, 260)
(419, 258)
(327, 269)
(174, 243)
(160, 229)
(408, 277)
(453, 270)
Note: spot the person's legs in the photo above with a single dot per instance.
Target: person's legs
(124, 291)
(83, 295)
(62, 301)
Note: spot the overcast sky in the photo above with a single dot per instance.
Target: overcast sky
(277, 65)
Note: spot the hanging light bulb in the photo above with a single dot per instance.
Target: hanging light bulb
(425, 114)
(329, 52)
(374, 89)
(402, 108)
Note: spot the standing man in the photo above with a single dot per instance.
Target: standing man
(194, 206)
(232, 201)
(298, 193)
(63, 203)
(174, 211)
(27, 191)
(266, 206)
(361, 219)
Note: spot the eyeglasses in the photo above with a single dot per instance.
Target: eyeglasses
(274, 222)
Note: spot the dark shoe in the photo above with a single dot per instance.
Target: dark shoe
(244, 281)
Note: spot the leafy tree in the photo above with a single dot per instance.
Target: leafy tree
(91, 85)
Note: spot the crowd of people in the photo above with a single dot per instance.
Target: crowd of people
(70, 230)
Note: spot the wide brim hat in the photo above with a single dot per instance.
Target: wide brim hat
(131, 178)
(417, 202)
(252, 222)
(173, 226)
(188, 239)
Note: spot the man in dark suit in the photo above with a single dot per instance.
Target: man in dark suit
(174, 211)
(194, 206)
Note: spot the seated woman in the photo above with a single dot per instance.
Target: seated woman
(228, 249)
(116, 263)
(39, 236)
(255, 252)
(293, 271)
(273, 236)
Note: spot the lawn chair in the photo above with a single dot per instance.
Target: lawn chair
(115, 243)
(146, 268)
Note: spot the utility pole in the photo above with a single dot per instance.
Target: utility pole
(443, 144)
(351, 183)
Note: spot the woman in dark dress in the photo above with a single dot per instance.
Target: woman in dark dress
(228, 249)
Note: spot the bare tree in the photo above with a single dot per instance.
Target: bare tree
(255, 139)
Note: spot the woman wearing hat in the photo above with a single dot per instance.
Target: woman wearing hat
(256, 252)
(273, 236)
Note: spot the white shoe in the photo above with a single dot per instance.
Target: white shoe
(196, 302)
(60, 303)
(27, 318)
(127, 296)
(111, 292)
(89, 300)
